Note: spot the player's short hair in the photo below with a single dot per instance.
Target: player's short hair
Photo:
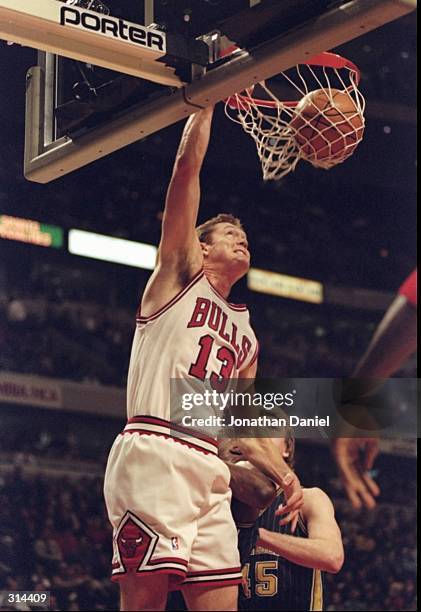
(205, 230)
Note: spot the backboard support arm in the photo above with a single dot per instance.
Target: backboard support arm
(45, 162)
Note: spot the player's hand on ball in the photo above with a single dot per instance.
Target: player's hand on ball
(355, 458)
(295, 499)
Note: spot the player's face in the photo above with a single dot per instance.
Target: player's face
(228, 244)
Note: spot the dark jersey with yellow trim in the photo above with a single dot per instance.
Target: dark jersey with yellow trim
(273, 583)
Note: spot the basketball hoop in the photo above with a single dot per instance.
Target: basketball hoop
(323, 125)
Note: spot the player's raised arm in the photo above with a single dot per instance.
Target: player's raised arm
(178, 239)
(179, 254)
(323, 548)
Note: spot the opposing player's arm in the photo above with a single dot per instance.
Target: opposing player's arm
(394, 340)
(252, 492)
(250, 486)
(323, 548)
(265, 456)
(261, 452)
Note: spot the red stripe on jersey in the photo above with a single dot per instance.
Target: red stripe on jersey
(215, 582)
(163, 570)
(227, 570)
(168, 560)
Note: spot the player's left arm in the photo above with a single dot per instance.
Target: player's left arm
(323, 548)
(265, 456)
(394, 340)
(252, 492)
(248, 484)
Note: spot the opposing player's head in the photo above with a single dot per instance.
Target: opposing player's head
(224, 244)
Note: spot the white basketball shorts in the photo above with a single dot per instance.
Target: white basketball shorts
(168, 500)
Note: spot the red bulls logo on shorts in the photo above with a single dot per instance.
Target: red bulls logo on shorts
(133, 543)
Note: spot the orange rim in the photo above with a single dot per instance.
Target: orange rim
(325, 59)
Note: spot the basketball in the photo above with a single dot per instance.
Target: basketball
(327, 126)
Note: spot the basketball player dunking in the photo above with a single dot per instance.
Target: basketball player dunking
(168, 496)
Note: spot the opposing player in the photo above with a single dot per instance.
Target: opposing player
(394, 340)
(166, 490)
(284, 570)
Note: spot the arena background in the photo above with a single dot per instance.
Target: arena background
(68, 321)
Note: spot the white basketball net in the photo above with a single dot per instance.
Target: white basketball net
(268, 121)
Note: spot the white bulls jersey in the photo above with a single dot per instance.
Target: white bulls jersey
(198, 336)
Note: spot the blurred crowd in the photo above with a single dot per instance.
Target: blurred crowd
(40, 437)
(301, 222)
(61, 541)
(59, 336)
(70, 341)
(380, 560)
(76, 321)
(387, 70)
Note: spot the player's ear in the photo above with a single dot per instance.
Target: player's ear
(205, 248)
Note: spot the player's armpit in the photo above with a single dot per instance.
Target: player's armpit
(249, 373)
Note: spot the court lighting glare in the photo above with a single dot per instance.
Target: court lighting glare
(141, 255)
(109, 248)
(285, 286)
